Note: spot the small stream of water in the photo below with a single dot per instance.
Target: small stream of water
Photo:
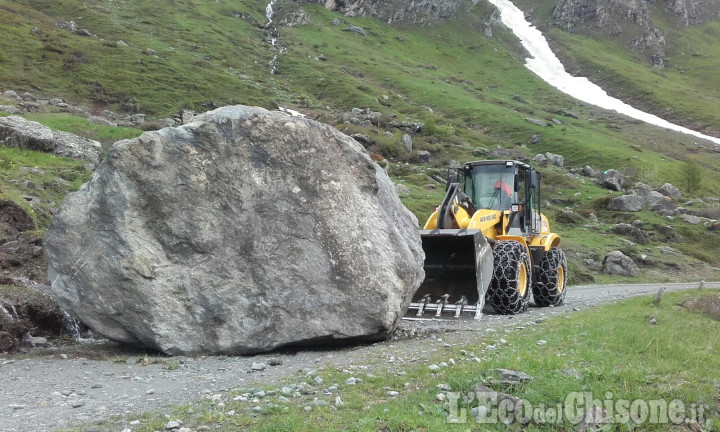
(272, 35)
(545, 64)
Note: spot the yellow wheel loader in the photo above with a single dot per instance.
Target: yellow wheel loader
(488, 241)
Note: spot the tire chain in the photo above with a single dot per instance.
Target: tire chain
(545, 280)
(503, 294)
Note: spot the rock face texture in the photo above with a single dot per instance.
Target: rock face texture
(240, 232)
(15, 131)
(633, 19)
(399, 11)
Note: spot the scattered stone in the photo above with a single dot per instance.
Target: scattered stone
(338, 401)
(407, 142)
(667, 250)
(337, 21)
(28, 96)
(393, 393)
(613, 180)
(555, 159)
(616, 262)
(351, 381)
(570, 114)
(536, 122)
(355, 29)
(258, 366)
(509, 377)
(664, 206)
(670, 191)
(15, 131)
(638, 235)
(363, 139)
(693, 220)
(317, 381)
(275, 361)
(10, 109)
(518, 98)
(535, 139)
(77, 403)
(589, 172)
(626, 203)
(11, 94)
(423, 156)
(702, 285)
(542, 342)
(434, 367)
(659, 296)
(653, 321)
(321, 57)
(541, 160)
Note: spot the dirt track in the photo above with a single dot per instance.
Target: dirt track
(98, 381)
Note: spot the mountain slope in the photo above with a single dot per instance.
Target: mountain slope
(659, 56)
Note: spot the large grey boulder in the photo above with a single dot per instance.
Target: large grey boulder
(618, 263)
(630, 202)
(15, 131)
(242, 231)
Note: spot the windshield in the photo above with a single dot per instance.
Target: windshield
(491, 186)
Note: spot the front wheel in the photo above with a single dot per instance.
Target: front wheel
(550, 279)
(510, 286)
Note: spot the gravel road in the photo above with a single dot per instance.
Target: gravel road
(88, 382)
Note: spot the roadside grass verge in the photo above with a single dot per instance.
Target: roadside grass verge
(611, 353)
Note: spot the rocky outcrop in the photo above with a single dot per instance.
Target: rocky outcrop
(632, 19)
(400, 11)
(240, 232)
(15, 131)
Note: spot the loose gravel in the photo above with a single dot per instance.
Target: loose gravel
(90, 381)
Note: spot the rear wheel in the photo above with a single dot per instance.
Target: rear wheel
(510, 286)
(550, 279)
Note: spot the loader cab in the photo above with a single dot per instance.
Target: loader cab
(506, 186)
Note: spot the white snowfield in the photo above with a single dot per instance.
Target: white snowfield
(547, 66)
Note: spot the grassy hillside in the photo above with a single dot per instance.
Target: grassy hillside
(469, 90)
(684, 92)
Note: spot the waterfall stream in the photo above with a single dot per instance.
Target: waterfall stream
(272, 35)
(548, 67)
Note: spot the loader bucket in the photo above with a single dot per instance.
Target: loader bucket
(458, 269)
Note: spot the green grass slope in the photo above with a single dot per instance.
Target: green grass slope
(684, 92)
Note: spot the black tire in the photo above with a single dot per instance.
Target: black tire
(510, 286)
(550, 279)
